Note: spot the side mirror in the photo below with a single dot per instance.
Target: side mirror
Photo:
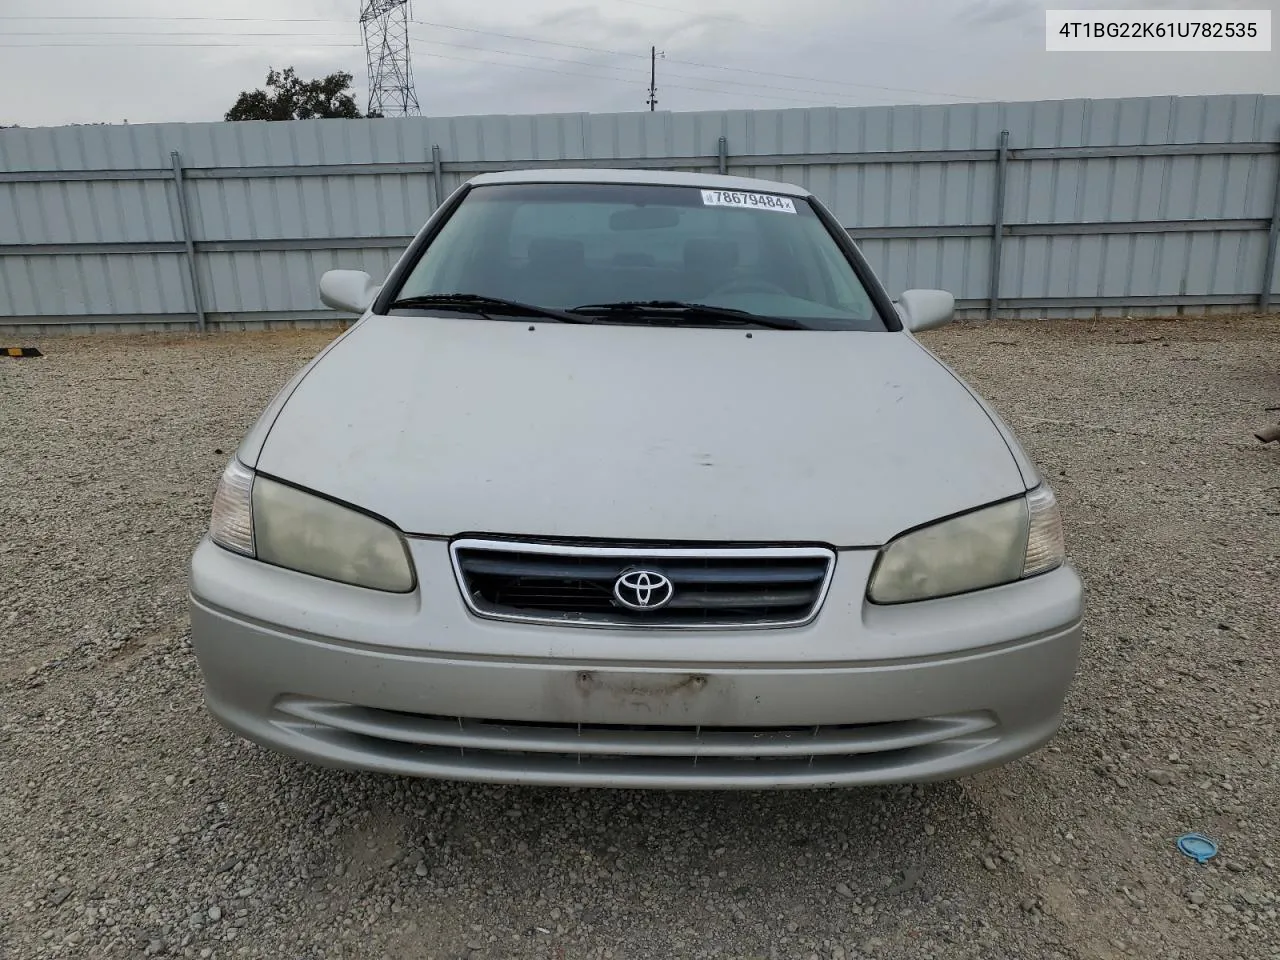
(351, 291)
(926, 309)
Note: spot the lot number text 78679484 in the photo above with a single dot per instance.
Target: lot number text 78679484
(751, 201)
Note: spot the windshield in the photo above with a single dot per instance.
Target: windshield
(563, 246)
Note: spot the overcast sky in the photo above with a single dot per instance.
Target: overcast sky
(529, 56)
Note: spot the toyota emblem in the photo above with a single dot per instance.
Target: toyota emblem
(643, 590)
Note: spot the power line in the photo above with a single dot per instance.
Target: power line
(597, 76)
(125, 16)
(745, 91)
(89, 45)
(629, 70)
(442, 56)
(444, 43)
(690, 63)
(527, 39)
(166, 33)
(743, 87)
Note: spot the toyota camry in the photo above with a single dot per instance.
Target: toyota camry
(635, 479)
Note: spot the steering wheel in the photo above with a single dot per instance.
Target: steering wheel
(748, 285)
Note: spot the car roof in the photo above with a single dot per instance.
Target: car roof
(706, 181)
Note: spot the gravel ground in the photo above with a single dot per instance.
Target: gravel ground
(132, 825)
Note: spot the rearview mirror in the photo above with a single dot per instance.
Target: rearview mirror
(351, 291)
(926, 309)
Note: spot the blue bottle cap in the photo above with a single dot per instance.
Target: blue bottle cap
(1199, 848)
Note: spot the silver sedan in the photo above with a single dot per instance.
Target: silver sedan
(636, 480)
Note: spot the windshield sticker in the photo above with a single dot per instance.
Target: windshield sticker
(751, 201)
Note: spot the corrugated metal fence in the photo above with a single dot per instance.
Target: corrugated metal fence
(1076, 207)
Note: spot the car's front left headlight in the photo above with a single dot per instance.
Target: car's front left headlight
(288, 527)
(986, 548)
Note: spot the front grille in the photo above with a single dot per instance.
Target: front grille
(686, 587)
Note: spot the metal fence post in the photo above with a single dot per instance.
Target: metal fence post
(724, 155)
(185, 221)
(997, 229)
(1273, 243)
(437, 171)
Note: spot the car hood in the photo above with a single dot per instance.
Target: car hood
(457, 425)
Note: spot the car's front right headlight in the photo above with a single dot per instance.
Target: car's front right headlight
(288, 527)
(986, 548)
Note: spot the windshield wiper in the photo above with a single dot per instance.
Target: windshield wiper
(680, 310)
(477, 303)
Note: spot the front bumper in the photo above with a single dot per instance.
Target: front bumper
(417, 685)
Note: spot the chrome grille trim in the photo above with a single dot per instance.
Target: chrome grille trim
(638, 555)
(675, 742)
(629, 755)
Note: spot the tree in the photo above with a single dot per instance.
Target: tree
(288, 98)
